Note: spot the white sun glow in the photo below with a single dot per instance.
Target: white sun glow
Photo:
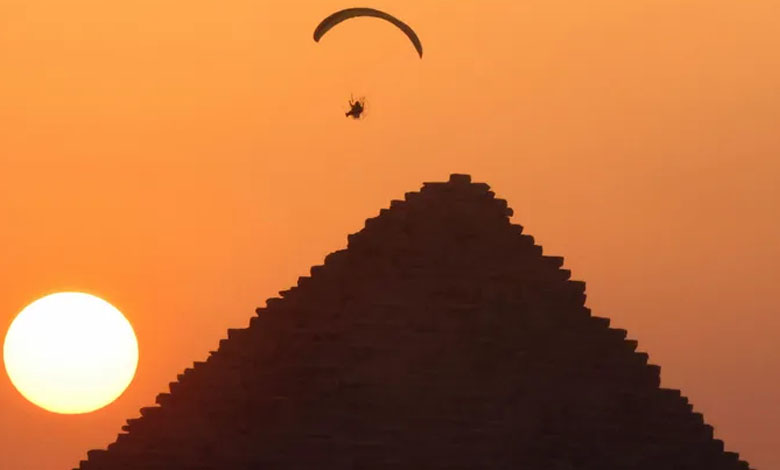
(70, 353)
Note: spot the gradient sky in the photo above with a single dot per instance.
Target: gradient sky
(187, 160)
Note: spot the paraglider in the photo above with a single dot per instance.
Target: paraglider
(348, 13)
(357, 107)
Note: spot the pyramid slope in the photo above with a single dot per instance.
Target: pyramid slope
(441, 337)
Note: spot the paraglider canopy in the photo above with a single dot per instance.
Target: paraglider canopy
(343, 15)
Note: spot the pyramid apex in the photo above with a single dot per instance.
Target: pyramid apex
(457, 182)
(458, 178)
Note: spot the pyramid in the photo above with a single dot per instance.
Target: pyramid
(442, 337)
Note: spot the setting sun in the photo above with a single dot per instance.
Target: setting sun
(70, 353)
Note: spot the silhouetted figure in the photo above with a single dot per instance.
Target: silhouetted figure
(356, 109)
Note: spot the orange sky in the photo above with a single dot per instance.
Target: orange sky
(187, 160)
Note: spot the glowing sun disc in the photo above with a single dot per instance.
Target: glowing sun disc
(70, 353)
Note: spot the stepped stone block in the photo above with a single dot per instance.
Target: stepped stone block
(441, 338)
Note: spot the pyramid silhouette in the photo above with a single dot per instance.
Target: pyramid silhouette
(441, 337)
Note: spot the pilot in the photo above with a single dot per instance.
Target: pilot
(356, 109)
